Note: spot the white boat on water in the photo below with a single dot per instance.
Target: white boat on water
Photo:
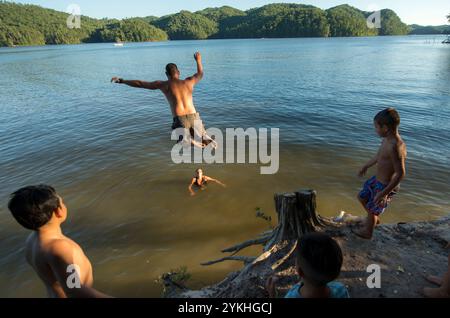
(447, 40)
(118, 44)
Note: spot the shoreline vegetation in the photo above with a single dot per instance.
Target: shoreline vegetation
(405, 252)
(29, 25)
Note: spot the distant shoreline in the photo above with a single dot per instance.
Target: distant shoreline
(218, 39)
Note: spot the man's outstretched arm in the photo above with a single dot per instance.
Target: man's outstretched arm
(199, 75)
(138, 84)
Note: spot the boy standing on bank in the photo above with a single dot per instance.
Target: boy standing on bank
(390, 160)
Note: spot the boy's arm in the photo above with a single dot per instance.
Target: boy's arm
(369, 164)
(199, 75)
(216, 181)
(398, 161)
(190, 187)
(60, 260)
(139, 84)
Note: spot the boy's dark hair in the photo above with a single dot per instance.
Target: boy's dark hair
(388, 117)
(171, 69)
(33, 206)
(319, 257)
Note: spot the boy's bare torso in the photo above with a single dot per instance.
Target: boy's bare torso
(179, 95)
(40, 248)
(391, 150)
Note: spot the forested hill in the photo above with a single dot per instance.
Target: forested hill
(33, 25)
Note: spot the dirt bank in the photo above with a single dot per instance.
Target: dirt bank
(405, 253)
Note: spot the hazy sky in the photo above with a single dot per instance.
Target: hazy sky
(425, 12)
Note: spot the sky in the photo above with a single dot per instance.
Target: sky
(430, 12)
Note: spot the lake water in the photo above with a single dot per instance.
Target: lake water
(106, 148)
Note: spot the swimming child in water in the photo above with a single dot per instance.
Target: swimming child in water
(200, 180)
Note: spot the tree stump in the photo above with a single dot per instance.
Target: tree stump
(297, 216)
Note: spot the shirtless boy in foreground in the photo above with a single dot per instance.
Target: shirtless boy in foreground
(390, 160)
(59, 262)
(178, 93)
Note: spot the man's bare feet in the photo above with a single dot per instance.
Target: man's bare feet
(435, 293)
(361, 232)
(197, 144)
(434, 279)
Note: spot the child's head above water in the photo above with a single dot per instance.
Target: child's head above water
(35, 206)
(319, 259)
(198, 172)
(387, 121)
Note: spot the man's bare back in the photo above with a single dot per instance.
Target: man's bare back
(179, 95)
(178, 92)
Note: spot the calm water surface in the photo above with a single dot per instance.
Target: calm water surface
(106, 148)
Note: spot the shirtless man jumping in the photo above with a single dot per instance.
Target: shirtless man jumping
(178, 93)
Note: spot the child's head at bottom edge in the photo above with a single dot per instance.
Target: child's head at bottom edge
(319, 259)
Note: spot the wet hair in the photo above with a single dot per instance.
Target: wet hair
(197, 170)
(319, 257)
(388, 117)
(33, 206)
(171, 69)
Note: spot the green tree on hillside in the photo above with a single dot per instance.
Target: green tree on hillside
(345, 20)
(130, 30)
(391, 24)
(279, 20)
(220, 14)
(33, 25)
(186, 25)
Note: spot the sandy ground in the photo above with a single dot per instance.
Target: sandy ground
(404, 252)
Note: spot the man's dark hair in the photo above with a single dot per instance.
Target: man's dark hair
(319, 257)
(33, 206)
(388, 117)
(171, 69)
